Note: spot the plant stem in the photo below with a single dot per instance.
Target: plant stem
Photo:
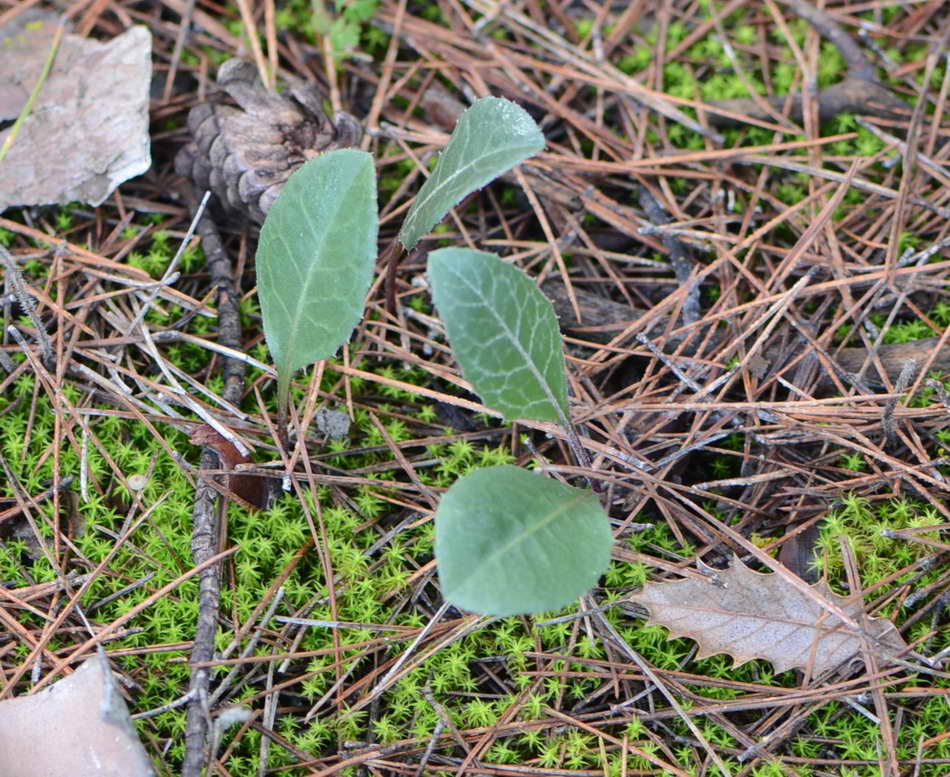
(206, 516)
(581, 456)
(390, 260)
(283, 400)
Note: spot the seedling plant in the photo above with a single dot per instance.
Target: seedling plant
(508, 541)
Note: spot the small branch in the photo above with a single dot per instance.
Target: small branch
(203, 542)
(679, 255)
(26, 302)
(906, 377)
(605, 318)
(859, 92)
(172, 705)
(206, 516)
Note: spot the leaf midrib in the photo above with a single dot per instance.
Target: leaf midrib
(320, 241)
(438, 186)
(523, 536)
(526, 356)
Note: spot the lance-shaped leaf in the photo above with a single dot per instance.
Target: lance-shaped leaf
(489, 139)
(503, 332)
(315, 259)
(747, 615)
(509, 541)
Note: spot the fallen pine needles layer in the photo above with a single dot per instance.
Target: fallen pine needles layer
(751, 282)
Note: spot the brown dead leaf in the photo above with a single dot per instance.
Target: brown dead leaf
(250, 489)
(747, 615)
(88, 131)
(77, 726)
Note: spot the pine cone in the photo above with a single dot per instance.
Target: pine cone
(244, 155)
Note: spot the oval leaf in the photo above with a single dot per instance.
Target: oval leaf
(508, 541)
(503, 332)
(489, 139)
(315, 259)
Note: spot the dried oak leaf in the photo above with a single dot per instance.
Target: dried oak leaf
(245, 154)
(747, 615)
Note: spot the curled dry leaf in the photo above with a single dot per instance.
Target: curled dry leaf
(250, 489)
(747, 615)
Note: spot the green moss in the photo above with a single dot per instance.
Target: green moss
(637, 61)
(831, 65)
(862, 525)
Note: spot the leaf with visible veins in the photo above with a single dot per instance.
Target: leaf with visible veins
(747, 615)
(315, 260)
(503, 332)
(490, 138)
(509, 541)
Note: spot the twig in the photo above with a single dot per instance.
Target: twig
(679, 255)
(204, 539)
(205, 516)
(903, 381)
(172, 705)
(622, 644)
(436, 734)
(171, 274)
(859, 92)
(249, 648)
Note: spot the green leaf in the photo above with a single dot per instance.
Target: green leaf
(503, 332)
(315, 259)
(509, 541)
(490, 138)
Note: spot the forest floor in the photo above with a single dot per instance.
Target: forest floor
(743, 220)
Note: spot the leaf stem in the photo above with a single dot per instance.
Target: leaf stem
(581, 456)
(390, 260)
(283, 400)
